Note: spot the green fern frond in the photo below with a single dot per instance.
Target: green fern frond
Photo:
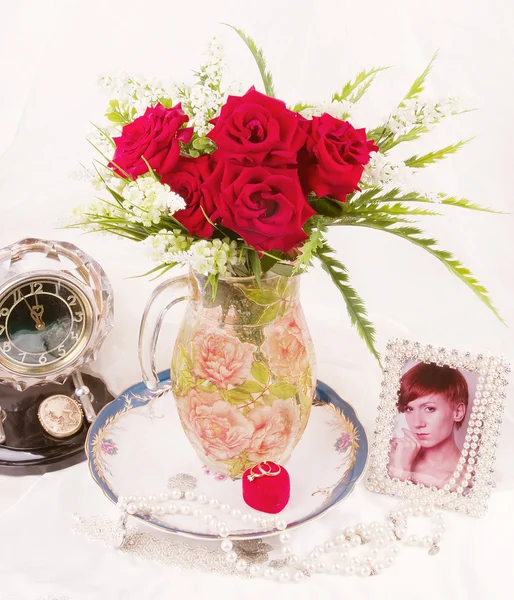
(259, 59)
(376, 195)
(359, 85)
(315, 241)
(354, 304)
(419, 83)
(420, 162)
(415, 236)
(390, 142)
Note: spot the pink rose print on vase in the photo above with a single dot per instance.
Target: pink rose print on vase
(108, 446)
(216, 428)
(342, 442)
(221, 358)
(275, 429)
(285, 348)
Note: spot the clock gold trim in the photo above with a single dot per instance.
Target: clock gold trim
(68, 359)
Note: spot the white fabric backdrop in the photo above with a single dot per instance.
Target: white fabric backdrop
(50, 55)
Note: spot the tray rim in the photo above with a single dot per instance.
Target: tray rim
(164, 376)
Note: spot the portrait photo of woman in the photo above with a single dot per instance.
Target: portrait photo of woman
(434, 403)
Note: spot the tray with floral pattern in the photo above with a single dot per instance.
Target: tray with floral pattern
(136, 446)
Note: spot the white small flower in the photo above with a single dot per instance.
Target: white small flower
(420, 112)
(148, 200)
(383, 171)
(339, 110)
(210, 257)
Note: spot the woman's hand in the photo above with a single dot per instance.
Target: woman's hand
(403, 453)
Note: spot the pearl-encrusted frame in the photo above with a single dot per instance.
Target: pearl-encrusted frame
(479, 451)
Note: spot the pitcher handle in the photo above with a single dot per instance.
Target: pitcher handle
(152, 320)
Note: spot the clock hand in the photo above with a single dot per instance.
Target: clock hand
(36, 313)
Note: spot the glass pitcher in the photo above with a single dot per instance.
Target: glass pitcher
(242, 368)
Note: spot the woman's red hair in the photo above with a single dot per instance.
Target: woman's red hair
(425, 379)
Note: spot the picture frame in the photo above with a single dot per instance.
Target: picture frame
(438, 407)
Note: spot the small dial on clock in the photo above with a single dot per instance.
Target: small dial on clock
(42, 322)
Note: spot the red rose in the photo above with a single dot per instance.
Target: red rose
(155, 135)
(334, 156)
(255, 129)
(186, 180)
(265, 206)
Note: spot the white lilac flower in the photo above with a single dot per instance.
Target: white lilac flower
(203, 101)
(168, 247)
(339, 110)
(134, 94)
(417, 111)
(211, 257)
(147, 200)
(383, 171)
(88, 216)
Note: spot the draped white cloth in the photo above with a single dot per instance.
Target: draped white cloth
(50, 56)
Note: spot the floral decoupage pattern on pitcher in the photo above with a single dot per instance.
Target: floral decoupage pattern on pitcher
(242, 374)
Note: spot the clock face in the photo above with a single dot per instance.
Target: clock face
(43, 323)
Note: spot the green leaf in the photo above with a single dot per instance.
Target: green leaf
(212, 279)
(415, 236)
(354, 304)
(419, 83)
(283, 390)
(252, 387)
(262, 297)
(284, 269)
(267, 399)
(237, 397)
(208, 386)
(327, 207)
(420, 162)
(260, 372)
(363, 80)
(259, 59)
(271, 313)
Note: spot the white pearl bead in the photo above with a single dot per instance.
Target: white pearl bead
(355, 561)
(190, 495)
(413, 540)
(225, 508)
(281, 525)
(176, 494)
(339, 539)
(131, 508)
(246, 517)
(344, 555)
(185, 509)
(335, 568)
(284, 538)
(171, 509)
(286, 550)
(227, 545)
(293, 559)
(241, 565)
(160, 511)
(164, 497)
(365, 571)
(298, 576)
(284, 577)
(236, 513)
(269, 573)
(389, 560)
(197, 512)
(349, 531)
(401, 531)
(355, 541)
(254, 570)
(152, 508)
(329, 546)
(321, 567)
(231, 557)
(152, 499)
(202, 498)
(142, 505)
(349, 570)
(214, 502)
(224, 531)
(427, 541)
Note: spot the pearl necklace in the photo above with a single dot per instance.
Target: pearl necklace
(381, 540)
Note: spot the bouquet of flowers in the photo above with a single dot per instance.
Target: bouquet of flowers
(242, 184)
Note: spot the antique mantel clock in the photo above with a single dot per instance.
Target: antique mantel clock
(56, 307)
